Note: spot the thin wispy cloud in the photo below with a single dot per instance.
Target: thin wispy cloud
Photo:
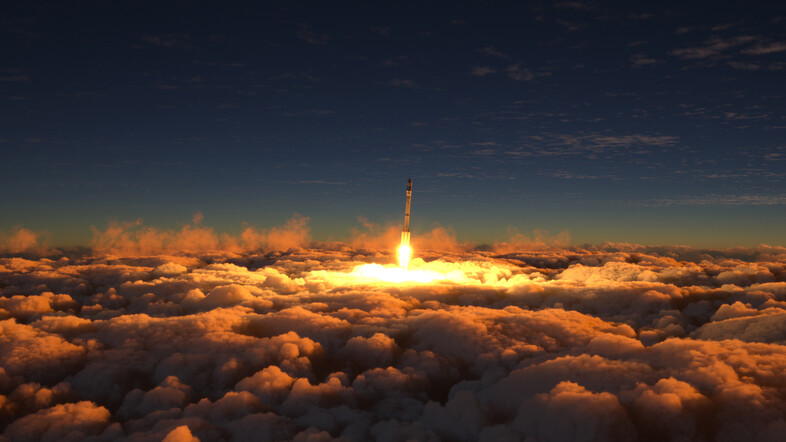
(763, 49)
(482, 71)
(402, 82)
(720, 200)
(308, 35)
(171, 41)
(494, 52)
(712, 47)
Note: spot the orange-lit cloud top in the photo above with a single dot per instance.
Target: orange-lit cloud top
(133, 238)
(612, 342)
(22, 240)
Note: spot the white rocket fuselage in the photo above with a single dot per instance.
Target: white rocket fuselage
(405, 232)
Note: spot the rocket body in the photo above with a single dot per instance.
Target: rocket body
(404, 251)
(405, 232)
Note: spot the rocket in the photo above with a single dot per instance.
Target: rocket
(404, 251)
(405, 232)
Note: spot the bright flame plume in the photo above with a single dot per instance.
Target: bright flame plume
(378, 273)
(404, 252)
(467, 273)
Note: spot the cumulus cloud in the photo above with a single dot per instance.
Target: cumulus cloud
(71, 422)
(540, 239)
(135, 239)
(25, 241)
(186, 335)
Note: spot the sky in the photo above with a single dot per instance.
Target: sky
(652, 123)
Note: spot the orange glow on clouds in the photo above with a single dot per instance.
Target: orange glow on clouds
(376, 272)
(472, 273)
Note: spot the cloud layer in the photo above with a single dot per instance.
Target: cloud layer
(615, 342)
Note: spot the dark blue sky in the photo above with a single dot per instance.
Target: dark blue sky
(614, 122)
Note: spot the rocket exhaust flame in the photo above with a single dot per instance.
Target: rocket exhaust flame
(404, 251)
